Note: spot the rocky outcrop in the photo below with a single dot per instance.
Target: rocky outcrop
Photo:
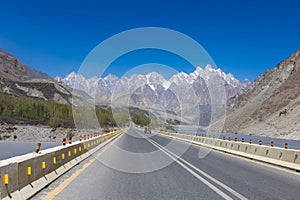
(258, 107)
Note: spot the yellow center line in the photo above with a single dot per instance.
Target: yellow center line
(69, 180)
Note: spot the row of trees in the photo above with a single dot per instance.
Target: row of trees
(54, 114)
(141, 120)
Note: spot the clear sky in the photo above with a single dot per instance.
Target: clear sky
(243, 37)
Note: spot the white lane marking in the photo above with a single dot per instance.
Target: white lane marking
(235, 193)
(211, 186)
(207, 176)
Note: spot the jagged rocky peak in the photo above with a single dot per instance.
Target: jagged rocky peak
(111, 77)
(153, 89)
(155, 78)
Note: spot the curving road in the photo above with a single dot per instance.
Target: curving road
(139, 166)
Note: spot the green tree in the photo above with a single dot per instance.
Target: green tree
(141, 120)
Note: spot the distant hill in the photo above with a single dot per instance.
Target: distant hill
(34, 74)
(18, 79)
(270, 106)
(13, 69)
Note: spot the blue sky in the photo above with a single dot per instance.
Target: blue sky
(243, 37)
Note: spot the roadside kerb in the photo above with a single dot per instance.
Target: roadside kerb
(28, 174)
(288, 158)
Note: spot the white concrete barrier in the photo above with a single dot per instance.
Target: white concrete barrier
(288, 158)
(24, 176)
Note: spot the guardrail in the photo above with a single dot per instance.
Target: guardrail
(284, 157)
(24, 176)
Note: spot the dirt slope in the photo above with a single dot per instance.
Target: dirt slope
(258, 111)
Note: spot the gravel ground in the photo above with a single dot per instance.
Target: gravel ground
(29, 133)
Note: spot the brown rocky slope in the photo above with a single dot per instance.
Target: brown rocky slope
(18, 79)
(270, 106)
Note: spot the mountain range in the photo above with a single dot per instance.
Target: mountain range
(182, 94)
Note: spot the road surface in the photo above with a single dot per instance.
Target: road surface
(139, 166)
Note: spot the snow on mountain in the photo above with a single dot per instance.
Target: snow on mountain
(179, 78)
(58, 79)
(155, 80)
(245, 83)
(76, 81)
(155, 89)
(207, 73)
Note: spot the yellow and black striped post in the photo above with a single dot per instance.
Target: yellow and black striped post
(38, 148)
(64, 142)
(70, 140)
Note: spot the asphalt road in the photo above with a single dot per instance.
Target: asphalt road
(140, 166)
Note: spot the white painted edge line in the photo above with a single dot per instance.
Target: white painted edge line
(206, 175)
(291, 166)
(181, 162)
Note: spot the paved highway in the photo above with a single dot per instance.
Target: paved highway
(139, 166)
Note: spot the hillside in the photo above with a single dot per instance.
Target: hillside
(13, 69)
(18, 79)
(31, 97)
(270, 106)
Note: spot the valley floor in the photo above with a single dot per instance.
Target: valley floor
(33, 133)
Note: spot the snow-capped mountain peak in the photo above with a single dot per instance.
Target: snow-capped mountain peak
(156, 89)
(152, 79)
(58, 78)
(72, 75)
(179, 78)
(111, 77)
(209, 68)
